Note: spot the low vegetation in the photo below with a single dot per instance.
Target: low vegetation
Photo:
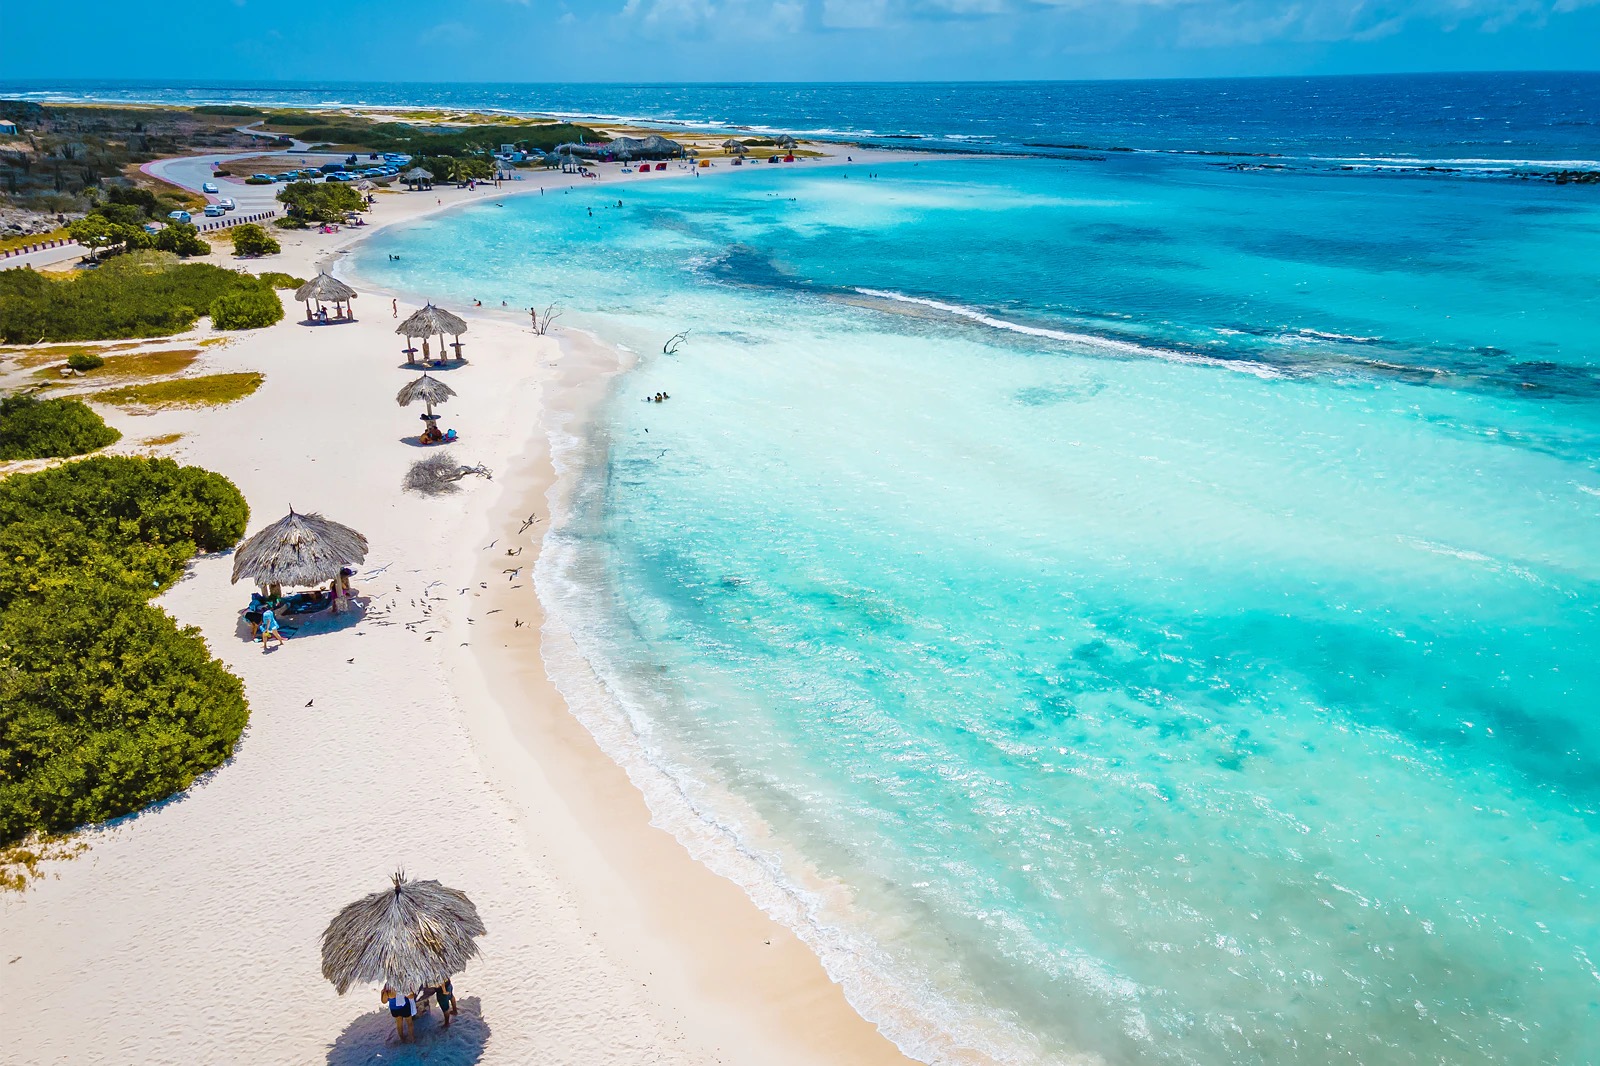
(208, 390)
(247, 309)
(83, 362)
(280, 280)
(316, 201)
(251, 240)
(106, 704)
(419, 139)
(31, 428)
(144, 294)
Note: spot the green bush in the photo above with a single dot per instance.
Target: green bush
(290, 222)
(31, 428)
(253, 180)
(143, 294)
(246, 309)
(182, 239)
(85, 361)
(279, 280)
(106, 705)
(250, 239)
(232, 110)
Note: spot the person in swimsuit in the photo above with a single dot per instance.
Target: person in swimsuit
(269, 628)
(445, 996)
(403, 1009)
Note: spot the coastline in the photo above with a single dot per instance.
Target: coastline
(608, 941)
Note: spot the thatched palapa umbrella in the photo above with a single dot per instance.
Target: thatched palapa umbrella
(298, 550)
(417, 933)
(428, 321)
(788, 142)
(430, 390)
(736, 146)
(326, 288)
(418, 178)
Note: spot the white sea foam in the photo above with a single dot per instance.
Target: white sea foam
(1244, 366)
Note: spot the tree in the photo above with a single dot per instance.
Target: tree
(93, 232)
(181, 238)
(314, 201)
(251, 240)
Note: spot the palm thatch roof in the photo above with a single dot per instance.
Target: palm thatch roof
(426, 388)
(299, 549)
(787, 141)
(733, 144)
(324, 287)
(430, 320)
(417, 174)
(416, 933)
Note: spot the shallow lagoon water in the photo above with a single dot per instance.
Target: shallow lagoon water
(1146, 613)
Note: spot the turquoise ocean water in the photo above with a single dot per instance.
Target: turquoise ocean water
(1140, 613)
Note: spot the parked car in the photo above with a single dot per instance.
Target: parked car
(284, 177)
(331, 168)
(226, 204)
(210, 187)
(261, 177)
(214, 211)
(179, 216)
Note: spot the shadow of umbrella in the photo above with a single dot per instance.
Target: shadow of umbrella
(371, 1039)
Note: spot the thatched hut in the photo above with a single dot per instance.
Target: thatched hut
(415, 934)
(788, 142)
(425, 323)
(299, 550)
(418, 178)
(735, 146)
(324, 288)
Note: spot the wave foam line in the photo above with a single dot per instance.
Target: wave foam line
(1260, 370)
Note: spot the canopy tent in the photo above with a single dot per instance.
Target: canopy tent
(428, 321)
(418, 933)
(325, 288)
(298, 550)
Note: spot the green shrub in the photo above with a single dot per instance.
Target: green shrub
(182, 239)
(142, 294)
(290, 222)
(253, 180)
(31, 428)
(85, 361)
(247, 309)
(106, 705)
(279, 280)
(233, 110)
(250, 239)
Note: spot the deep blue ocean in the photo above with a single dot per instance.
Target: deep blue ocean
(1118, 606)
(1467, 121)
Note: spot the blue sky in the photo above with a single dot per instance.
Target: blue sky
(787, 40)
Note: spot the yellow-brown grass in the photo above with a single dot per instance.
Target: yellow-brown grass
(210, 390)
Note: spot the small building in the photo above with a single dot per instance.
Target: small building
(9, 128)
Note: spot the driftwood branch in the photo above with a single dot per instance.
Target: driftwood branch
(437, 475)
(547, 319)
(674, 342)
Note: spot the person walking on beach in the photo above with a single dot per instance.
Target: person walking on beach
(269, 628)
(535, 316)
(395, 305)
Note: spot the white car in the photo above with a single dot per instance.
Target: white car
(210, 187)
(226, 204)
(214, 211)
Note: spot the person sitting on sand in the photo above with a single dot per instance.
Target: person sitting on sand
(403, 1009)
(269, 628)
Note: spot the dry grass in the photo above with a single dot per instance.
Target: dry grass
(19, 863)
(154, 364)
(210, 390)
(162, 440)
(8, 243)
(55, 353)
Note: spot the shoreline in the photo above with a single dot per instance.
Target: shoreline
(608, 942)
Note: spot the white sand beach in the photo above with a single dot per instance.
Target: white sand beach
(422, 736)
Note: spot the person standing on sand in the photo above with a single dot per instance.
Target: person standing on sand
(403, 1009)
(269, 628)
(535, 316)
(395, 304)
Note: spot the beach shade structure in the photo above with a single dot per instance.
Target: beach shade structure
(426, 389)
(788, 142)
(427, 322)
(326, 289)
(299, 550)
(737, 147)
(415, 934)
(418, 178)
